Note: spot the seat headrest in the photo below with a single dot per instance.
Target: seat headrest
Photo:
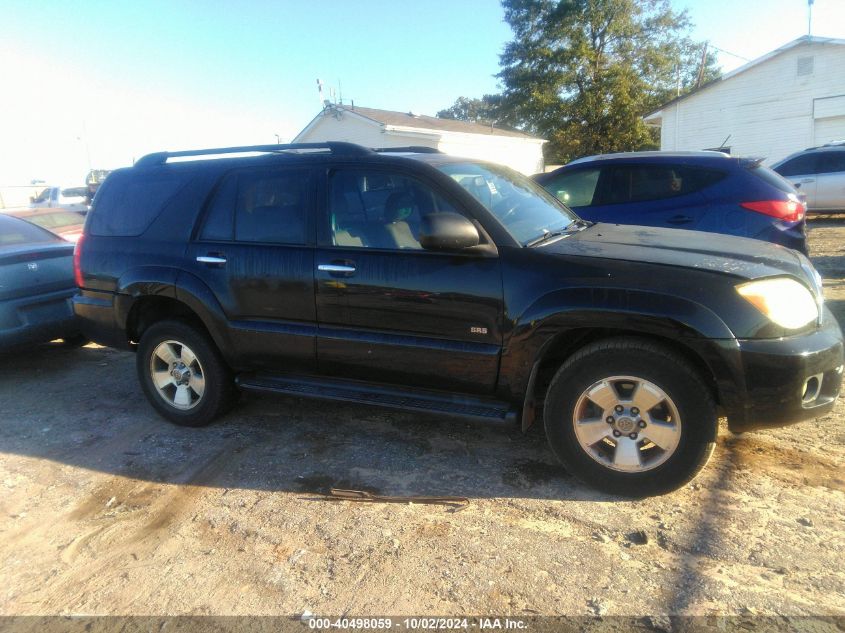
(398, 207)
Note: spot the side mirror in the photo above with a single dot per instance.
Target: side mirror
(447, 232)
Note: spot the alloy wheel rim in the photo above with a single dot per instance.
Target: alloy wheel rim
(177, 375)
(627, 424)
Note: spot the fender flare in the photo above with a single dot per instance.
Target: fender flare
(172, 283)
(544, 322)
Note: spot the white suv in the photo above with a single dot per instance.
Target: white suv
(819, 174)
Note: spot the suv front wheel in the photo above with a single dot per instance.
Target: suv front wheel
(630, 417)
(183, 375)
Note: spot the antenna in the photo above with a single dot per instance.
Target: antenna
(320, 90)
(810, 17)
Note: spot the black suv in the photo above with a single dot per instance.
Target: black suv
(411, 279)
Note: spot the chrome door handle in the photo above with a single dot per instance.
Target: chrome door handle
(210, 259)
(808, 180)
(336, 268)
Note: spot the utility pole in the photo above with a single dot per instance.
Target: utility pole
(703, 64)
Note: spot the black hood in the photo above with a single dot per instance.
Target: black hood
(738, 256)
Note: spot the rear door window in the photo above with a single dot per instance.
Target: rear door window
(831, 162)
(272, 206)
(620, 184)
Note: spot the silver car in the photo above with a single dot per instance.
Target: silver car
(819, 174)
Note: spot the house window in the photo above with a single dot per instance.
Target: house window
(805, 66)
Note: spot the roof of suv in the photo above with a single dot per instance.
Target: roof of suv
(293, 151)
(833, 146)
(220, 160)
(650, 156)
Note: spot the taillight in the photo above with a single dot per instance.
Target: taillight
(77, 257)
(789, 210)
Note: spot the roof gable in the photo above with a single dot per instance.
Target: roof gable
(421, 122)
(804, 39)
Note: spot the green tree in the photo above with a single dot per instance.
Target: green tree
(484, 110)
(582, 73)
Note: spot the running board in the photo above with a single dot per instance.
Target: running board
(463, 406)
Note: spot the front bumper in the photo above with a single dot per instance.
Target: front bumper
(790, 379)
(37, 319)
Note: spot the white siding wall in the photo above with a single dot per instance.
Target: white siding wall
(827, 130)
(523, 155)
(355, 130)
(767, 110)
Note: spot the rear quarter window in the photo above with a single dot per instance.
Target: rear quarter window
(773, 178)
(127, 204)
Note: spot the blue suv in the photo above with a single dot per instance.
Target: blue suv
(702, 191)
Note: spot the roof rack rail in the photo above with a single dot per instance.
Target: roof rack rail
(417, 149)
(335, 147)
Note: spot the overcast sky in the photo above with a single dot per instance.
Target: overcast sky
(101, 83)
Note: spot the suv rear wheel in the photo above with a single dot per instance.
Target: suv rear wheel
(183, 375)
(630, 417)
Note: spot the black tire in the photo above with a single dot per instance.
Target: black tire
(663, 368)
(219, 392)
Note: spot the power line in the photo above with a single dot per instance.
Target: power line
(722, 50)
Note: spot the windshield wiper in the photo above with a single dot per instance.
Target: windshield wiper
(575, 225)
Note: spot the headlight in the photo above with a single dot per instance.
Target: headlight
(784, 301)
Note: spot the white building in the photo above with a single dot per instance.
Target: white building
(785, 101)
(383, 128)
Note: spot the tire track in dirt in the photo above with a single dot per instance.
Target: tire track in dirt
(124, 522)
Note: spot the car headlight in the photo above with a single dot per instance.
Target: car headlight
(784, 301)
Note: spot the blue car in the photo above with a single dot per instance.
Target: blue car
(702, 191)
(36, 286)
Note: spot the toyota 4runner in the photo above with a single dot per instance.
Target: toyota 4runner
(407, 278)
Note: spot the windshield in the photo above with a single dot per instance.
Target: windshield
(525, 209)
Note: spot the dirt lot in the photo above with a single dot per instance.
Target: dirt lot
(107, 509)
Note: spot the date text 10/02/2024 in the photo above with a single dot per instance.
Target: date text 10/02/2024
(417, 623)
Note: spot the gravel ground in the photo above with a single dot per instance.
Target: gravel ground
(107, 509)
